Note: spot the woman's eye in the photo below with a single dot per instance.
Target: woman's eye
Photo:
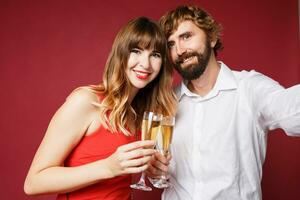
(137, 51)
(156, 55)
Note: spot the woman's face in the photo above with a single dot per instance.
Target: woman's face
(143, 66)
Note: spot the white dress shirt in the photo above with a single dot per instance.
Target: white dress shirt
(219, 141)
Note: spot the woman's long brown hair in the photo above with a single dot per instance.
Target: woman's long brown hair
(115, 111)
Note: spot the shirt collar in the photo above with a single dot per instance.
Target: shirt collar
(225, 81)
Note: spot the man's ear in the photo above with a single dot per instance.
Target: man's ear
(213, 42)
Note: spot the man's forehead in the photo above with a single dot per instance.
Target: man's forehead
(182, 27)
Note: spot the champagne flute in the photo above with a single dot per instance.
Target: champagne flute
(163, 142)
(150, 127)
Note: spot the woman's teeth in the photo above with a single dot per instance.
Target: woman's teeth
(141, 73)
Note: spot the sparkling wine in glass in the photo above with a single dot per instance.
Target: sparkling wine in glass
(150, 127)
(163, 142)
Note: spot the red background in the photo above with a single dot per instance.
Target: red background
(47, 48)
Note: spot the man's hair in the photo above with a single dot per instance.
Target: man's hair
(115, 88)
(202, 19)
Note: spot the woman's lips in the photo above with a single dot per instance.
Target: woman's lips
(141, 75)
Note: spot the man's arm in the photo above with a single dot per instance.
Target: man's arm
(274, 105)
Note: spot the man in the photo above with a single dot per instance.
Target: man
(219, 140)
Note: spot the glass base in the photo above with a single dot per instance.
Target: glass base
(161, 184)
(141, 186)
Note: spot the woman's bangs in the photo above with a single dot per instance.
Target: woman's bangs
(149, 41)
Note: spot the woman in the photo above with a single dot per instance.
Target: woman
(90, 147)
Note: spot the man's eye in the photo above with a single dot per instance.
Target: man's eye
(170, 45)
(186, 36)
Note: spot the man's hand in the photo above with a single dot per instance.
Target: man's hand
(158, 164)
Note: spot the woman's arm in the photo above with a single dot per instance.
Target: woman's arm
(47, 173)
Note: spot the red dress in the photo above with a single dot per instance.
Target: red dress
(99, 145)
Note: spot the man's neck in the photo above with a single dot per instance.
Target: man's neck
(205, 83)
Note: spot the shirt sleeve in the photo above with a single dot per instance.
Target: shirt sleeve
(274, 105)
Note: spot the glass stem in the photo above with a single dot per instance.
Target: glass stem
(142, 179)
(164, 176)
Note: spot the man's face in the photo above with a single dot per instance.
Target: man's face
(190, 50)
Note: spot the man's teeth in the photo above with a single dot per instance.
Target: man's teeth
(188, 58)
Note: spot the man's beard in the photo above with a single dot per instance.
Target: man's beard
(193, 71)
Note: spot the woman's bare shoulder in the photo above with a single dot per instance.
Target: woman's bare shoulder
(83, 96)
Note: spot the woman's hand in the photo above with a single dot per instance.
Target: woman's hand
(131, 158)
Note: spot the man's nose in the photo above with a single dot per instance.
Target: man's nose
(180, 49)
